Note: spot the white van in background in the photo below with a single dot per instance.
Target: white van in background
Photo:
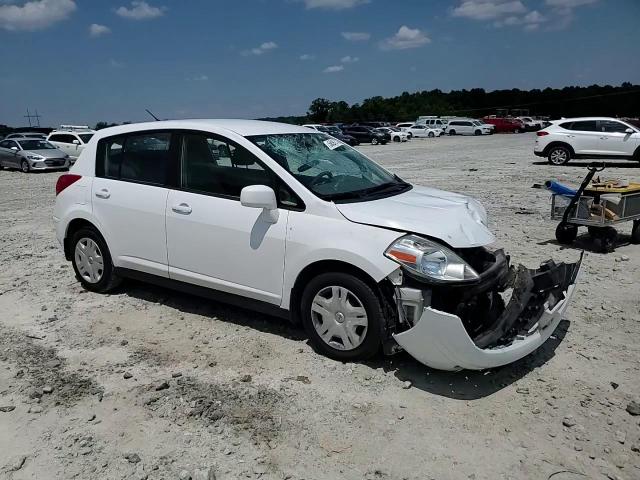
(71, 139)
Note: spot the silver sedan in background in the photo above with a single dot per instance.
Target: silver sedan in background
(29, 154)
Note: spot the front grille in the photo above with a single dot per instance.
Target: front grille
(54, 162)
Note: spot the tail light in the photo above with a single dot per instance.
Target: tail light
(542, 133)
(65, 180)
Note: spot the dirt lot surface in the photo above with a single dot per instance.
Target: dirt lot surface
(148, 383)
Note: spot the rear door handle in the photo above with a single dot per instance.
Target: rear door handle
(182, 209)
(104, 193)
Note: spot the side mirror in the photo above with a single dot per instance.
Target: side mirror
(76, 142)
(260, 196)
(629, 130)
(14, 149)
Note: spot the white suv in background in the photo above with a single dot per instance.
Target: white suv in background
(296, 223)
(468, 126)
(587, 137)
(71, 139)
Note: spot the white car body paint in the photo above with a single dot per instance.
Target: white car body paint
(218, 243)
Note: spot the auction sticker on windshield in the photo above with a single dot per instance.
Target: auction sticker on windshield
(333, 143)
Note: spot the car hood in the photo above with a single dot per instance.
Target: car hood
(47, 153)
(456, 219)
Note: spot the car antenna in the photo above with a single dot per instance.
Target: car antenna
(149, 112)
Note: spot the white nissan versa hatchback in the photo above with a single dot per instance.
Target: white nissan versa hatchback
(294, 222)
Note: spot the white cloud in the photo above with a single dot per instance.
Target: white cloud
(140, 10)
(198, 78)
(356, 36)
(488, 9)
(405, 38)
(97, 30)
(265, 47)
(35, 15)
(305, 57)
(115, 64)
(333, 69)
(334, 4)
(349, 59)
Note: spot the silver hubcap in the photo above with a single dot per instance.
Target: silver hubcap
(339, 318)
(558, 156)
(89, 260)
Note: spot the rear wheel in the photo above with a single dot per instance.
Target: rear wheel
(452, 132)
(559, 155)
(342, 316)
(92, 261)
(566, 233)
(635, 233)
(24, 166)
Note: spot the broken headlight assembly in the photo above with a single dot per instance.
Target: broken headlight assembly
(429, 260)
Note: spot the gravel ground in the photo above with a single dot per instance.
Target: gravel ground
(148, 383)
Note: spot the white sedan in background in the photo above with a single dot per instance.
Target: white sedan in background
(424, 131)
(397, 135)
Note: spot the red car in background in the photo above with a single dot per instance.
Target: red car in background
(505, 124)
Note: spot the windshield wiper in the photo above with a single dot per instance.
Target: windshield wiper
(388, 187)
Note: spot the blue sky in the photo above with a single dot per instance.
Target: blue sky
(82, 61)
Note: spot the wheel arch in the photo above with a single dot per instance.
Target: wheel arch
(75, 225)
(324, 266)
(559, 143)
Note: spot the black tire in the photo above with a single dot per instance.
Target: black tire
(635, 232)
(558, 155)
(477, 133)
(431, 135)
(452, 132)
(605, 239)
(517, 130)
(566, 233)
(374, 141)
(369, 300)
(396, 139)
(410, 135)
(109, 279)
(24, 166)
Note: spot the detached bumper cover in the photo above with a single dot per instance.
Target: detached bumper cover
(440, 340)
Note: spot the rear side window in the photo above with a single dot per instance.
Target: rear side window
(140, 157)
(583, 126)
(62, 138)
(146, 158)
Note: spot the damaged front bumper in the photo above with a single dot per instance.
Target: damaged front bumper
(505, 333)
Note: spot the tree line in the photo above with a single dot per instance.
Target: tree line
(594, 100)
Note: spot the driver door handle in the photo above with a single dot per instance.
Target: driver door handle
(182, 209)
(103, 193)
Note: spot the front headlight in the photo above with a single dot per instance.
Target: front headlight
(35, 157)
(429, 260)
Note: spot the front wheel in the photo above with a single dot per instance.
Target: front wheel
(374, 141)
(342, 316)
(477, 133)
(452, 132)
(24, 166)
(92, 261)
(396, 139)
(431, 135)
(559, 155)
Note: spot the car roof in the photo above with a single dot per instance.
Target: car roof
(72, 131)
(575, 119)
(241, 127)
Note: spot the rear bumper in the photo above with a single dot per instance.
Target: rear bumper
(539, 299)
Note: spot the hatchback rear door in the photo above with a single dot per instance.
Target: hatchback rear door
(129, 197)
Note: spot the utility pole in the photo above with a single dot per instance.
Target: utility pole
(35, 116)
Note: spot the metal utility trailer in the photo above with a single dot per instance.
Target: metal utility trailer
(598, 209)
